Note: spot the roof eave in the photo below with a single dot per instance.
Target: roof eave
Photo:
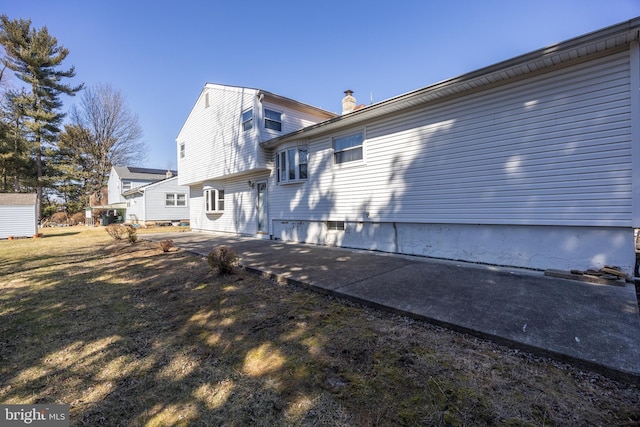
(283, 100)
(598, 42)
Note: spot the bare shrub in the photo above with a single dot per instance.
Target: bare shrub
(166, 245)
(223, 259)
(59, 218)
(78, 218)
(132, 234)
(117, 231)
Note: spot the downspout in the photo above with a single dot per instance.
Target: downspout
(634, 93)
(144, 206)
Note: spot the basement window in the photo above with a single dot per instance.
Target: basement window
(335, 225)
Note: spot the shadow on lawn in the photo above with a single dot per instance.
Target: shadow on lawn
(53, 236)
(132, 341)
(129, 335)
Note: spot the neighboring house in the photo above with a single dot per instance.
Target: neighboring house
(222, 162)
(18, 216)
(158, 203)
(125, 178)
(533, 162)
(121, 180)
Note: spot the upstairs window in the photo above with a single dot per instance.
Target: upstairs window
(214, 200)
(272, 119)
(126, 185)
(247, 120)
(348, 148)
(292, 165)
(182, 150)
(175, 199)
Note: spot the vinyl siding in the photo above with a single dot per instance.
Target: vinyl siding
(215, 144)
(240, 215)
(292, 120)
(18, 221)
(150, 206)
(550, 150)
(113, 189)
(135, 208)
(155, 202)
(114, 186)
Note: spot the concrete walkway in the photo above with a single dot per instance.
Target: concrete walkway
(596, 326)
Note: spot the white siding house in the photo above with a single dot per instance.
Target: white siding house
(532, 162)
(161, 202)
(220, 158)
(18, 216)
(125, 178)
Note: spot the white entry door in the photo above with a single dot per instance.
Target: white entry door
(261, 206)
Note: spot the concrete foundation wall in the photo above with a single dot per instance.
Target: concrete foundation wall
(537, 247)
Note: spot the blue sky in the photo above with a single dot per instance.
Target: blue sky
(160, 54)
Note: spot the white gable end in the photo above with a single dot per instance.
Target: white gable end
(214, 143)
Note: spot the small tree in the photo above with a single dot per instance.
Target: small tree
(223, 259)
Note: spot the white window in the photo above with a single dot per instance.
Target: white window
(175, 199)
(272, 119)
(214, 200)
(292, 165)
(182, 150)
(247, 120)
(348, 148)
(126, 185)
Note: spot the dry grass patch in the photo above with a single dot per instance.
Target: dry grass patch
(130, 335)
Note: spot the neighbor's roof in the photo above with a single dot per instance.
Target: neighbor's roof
(610, 39)
(130, 172)
(17, 199)
(143, 188)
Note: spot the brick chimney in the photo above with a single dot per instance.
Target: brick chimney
(348, 102)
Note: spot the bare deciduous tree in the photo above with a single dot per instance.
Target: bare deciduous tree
(111, 133)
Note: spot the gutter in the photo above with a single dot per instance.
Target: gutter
(599, 42)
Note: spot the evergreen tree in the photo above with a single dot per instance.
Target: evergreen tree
(76, 178)
(16, 164)
(34, 55)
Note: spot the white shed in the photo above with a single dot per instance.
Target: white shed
(18, 216)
